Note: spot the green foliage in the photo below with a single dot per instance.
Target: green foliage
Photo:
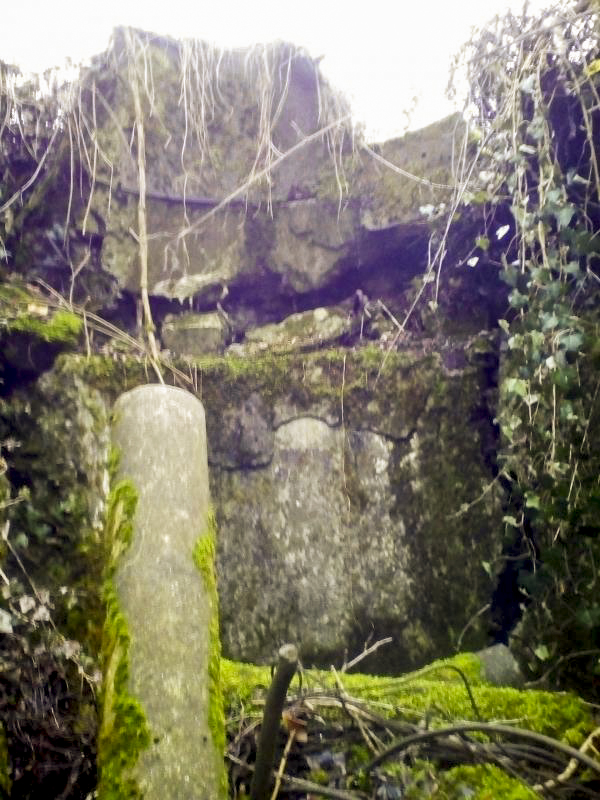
(541, 126)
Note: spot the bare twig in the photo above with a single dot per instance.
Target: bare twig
(366, 652)
(257, 176)
(19, 193)
(568, 772)
(484, 727)
(282, 763)
(142, 224)
(403, 172)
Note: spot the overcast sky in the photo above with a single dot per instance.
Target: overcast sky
(380, 53)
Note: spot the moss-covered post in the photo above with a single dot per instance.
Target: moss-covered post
(163, 658)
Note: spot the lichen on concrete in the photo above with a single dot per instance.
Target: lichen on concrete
(408, 442)
(390, 434)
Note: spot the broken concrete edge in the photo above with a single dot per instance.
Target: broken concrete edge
(204, 559)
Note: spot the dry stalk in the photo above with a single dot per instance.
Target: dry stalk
(142, 221)
(370, 740)
(18, 195)
(367, 650)
(282, 763)
(569, 771)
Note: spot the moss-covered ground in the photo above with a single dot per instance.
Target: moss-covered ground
(447, 691)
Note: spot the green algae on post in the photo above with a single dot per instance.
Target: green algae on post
(171, 617)
(204, 559)
(124, 730)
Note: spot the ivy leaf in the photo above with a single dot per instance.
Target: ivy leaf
(21, 541)
(5, 622)
(549, 321)
(554, 195)
(516, 342)
(571, 341)
(510, 520)
(487, 567)
(542, 652)
(572, 268)
(593, 67)
(566, 411)
(517, 300)
(532, 501)
(537, 339)
(564, 216)
(563, 377)
(589, 617)
(483, 242)
(510, 275)
(516, 386)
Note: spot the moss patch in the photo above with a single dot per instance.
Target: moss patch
(482, 782)
(124, 732)
(23, 312)
(5, 782)
(62, 326)
(204, 559)
(438, 690)
(438, 694)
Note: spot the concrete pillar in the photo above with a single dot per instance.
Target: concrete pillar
(169, 605)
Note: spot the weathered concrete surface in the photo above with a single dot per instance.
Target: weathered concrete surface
(342, 489)
(194, 334)
(160, 434)
(304, 559)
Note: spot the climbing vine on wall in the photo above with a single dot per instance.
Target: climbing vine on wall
(534, 107)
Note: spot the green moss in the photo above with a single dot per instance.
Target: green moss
(62, 326)
(427, 415)
(5, 782)
(124, 731)
(105, 374)
(319, 776)
(482, 782)
(439, 691)
(204, 559)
